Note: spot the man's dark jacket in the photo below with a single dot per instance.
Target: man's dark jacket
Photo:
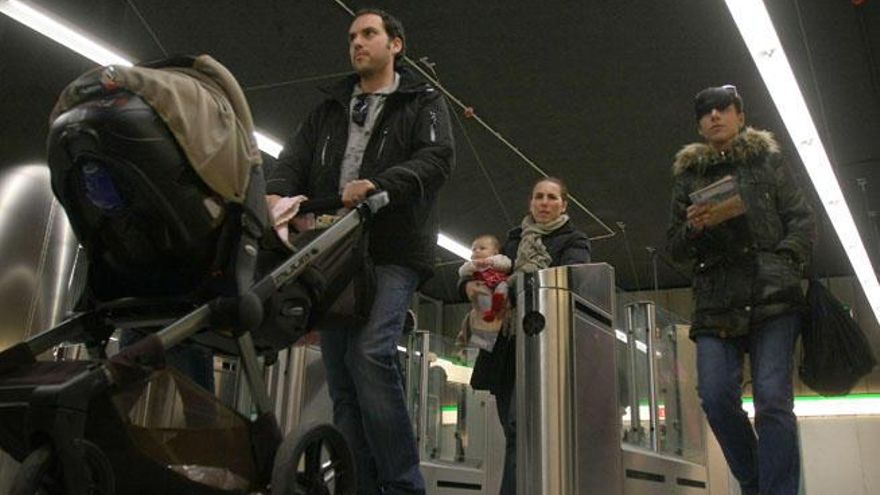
(749, 268)
(410, 154)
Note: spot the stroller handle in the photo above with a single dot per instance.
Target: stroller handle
(375, 200)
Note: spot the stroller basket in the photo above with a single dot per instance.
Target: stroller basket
(158, 427)
(166, 433)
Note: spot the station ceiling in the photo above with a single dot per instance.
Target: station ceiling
(597, 93)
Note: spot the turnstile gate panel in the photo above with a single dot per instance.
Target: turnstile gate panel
(568, 437)
(570, 412)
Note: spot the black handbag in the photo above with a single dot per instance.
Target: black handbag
(835, 352)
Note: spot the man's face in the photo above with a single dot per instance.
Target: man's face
(369, 47)
(719, 127)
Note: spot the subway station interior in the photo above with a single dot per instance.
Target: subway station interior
(599, 94)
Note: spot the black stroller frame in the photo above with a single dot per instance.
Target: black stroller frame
(57, 413)
(71, 423)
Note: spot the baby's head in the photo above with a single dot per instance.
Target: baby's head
(485, 246)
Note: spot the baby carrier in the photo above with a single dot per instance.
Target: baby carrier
(158, 171)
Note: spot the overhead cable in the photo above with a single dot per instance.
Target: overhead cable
(470, 113)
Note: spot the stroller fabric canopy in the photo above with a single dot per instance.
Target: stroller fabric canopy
(203, 106)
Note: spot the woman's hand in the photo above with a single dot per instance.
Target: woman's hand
(473, 288)
(482, 264)
(703, 216)
(698, 217)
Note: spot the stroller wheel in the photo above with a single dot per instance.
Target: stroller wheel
(41, 474)
(314, 460)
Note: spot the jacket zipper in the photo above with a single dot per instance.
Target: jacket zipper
(324, 149)
(433, 126)
(382, 143)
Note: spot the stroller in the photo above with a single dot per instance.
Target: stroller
(159, 173)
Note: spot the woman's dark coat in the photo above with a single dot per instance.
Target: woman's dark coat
(749, 268)
(566, 246)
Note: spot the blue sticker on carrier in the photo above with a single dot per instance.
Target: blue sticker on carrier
(100, 188)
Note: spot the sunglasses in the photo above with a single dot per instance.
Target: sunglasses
(359, 109)
(730, 88)
(717, 98)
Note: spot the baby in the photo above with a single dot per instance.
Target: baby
(492, 268)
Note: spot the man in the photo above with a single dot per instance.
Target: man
(380, 128)
(748, 259)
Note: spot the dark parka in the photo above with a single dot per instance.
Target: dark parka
(749, 268)
(410, 154)
(566, 246)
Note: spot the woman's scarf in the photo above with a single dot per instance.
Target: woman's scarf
(532, 255)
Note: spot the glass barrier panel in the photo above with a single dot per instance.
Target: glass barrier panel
(635, 373)
(679, 417)
(669, 433)
(454, 413)
(677, 379)
(450, 399)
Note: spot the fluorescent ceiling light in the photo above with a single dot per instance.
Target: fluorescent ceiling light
(59, 32)
(757, 30)
(453, 246)
(71, 38)
(848, 405)
(448, 415)
(804, 407)
(268, 145)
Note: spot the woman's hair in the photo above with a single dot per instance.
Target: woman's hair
(563, 189)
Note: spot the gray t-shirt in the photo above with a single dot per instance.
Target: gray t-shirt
(359, 135)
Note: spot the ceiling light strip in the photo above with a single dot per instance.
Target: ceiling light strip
(804, 407)
(60, 33)
(267, 144)
(453, 246)
(72, 39)
(813, 406)
(757, 30)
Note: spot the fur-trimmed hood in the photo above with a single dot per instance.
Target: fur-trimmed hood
(748, 144)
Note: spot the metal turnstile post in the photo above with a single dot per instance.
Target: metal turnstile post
(568, 423)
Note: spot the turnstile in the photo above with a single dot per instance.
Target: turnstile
(568, 426)
(601, 409)
(570, 412)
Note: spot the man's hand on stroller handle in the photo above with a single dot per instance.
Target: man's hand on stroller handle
(356, 191)
(290, 209)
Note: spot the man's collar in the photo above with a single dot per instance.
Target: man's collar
(387, 90)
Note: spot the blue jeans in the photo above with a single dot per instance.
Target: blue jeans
(364, 380)
(768, 463)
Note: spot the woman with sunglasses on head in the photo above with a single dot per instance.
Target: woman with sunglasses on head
(545, 238)
(738, 216)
